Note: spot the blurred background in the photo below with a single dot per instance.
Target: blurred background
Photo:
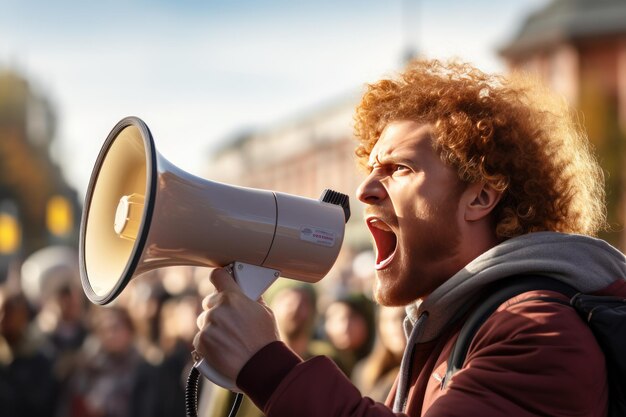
(253, 93)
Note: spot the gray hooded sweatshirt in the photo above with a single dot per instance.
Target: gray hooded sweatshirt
(586, 263)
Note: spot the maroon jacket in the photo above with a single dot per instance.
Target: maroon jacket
(530, 358)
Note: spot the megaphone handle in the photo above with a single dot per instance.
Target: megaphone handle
(253, 280)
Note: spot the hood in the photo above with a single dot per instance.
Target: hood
(586, 263)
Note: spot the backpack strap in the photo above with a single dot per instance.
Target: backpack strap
(606, 317)
(494, 296)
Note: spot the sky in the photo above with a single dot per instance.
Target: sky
(200, 72)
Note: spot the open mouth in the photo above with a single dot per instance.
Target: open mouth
(385, 240)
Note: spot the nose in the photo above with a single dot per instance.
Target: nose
(371, 190)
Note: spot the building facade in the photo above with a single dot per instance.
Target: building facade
(578, 48)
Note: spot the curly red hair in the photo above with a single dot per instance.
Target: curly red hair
(508, 132)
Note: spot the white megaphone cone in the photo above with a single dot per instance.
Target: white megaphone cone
(142, 213)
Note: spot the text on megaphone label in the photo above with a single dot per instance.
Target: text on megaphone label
(318, 236)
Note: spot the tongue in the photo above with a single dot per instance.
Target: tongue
(385, 244)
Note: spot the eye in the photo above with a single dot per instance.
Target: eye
(389, 168)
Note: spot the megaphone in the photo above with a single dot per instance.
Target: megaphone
(142, 212)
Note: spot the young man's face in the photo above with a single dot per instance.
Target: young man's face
(412, 210)
(294, 311)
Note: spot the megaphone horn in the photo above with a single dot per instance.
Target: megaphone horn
(142, 213)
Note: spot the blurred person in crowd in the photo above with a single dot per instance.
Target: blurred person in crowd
(144, 299)
(65, 326)
(113, 379)
(349, 325)
(51, 282)
(176, 339)
(375, 374)
(28, 386)
(295, 308)
(472, 179)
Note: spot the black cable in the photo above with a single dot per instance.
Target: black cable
(191, 395)
(191, 392)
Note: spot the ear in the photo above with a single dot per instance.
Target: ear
(481, 199)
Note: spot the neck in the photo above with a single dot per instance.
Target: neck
(476, 238)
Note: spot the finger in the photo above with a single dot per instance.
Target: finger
(201, 321)
(197, 344)
(223, 281)
(210, 300)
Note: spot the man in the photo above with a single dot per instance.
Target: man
(472, 179)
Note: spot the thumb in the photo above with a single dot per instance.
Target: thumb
(223, 280)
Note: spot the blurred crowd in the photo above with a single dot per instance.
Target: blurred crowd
(61, 356)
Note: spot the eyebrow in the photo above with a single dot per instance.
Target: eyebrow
(392, 159)
(399, 153)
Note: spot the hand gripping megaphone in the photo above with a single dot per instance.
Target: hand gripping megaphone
(142, 213)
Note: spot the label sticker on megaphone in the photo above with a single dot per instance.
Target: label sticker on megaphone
(318, 236)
